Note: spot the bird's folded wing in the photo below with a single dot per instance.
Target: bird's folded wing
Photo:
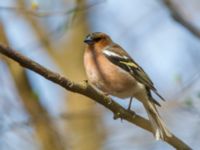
(120, 57)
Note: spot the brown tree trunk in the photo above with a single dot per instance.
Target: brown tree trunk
(45, 130)
(83, 128)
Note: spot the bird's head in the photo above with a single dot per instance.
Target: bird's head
(98, 38)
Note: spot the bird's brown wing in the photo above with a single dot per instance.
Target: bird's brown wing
(120, 57)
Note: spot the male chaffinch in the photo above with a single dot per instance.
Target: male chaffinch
(110, 69)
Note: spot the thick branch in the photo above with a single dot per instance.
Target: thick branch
(178, 16)
(89, 91)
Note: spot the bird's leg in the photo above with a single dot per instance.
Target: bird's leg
(117, 115)
(129, 105)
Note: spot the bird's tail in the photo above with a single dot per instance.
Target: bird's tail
(160, 130)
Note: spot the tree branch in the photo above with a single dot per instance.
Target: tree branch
(87, 90)
(176, 14)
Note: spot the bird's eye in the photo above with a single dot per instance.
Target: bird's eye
(97, 39)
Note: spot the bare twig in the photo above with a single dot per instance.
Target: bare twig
(178, 16)
(87, 90)
(51, 13)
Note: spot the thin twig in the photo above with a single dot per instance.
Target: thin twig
(51, 13)
(87, 90)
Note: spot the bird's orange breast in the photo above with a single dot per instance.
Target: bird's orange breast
(106, 76)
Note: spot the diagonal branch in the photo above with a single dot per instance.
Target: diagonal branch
(87, 90)
(180, 18)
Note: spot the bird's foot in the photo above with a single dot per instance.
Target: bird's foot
(129, 109)
(132, 113)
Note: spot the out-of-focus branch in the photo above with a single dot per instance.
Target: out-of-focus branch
(39, 30)
(38, 118)
(178, 16)
(50, 13)
(44, 128)
(87, 90)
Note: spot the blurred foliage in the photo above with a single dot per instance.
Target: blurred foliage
(189, 102)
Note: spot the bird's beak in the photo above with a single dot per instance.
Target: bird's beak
(88, 40)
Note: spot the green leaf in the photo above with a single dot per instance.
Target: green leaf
(189, 102)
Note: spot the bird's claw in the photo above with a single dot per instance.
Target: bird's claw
(132, 112)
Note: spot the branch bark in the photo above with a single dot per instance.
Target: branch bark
(87, 90)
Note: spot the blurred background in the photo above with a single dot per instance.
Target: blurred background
(163, 36)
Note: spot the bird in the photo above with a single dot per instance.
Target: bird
(110, 69)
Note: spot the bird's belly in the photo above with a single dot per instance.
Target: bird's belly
(111, 79)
